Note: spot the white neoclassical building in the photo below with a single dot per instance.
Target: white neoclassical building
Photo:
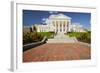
(59, 23)
(76, 27)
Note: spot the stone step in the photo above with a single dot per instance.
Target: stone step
(59, 41)
(61, 38)
(71, 40)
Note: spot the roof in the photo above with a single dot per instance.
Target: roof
(59, 16)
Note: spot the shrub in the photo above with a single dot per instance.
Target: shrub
(31, 37)
(85, 37)
(81, 36)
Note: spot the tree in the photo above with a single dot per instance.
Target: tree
(34, 29)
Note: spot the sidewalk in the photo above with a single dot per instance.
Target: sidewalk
(57, 52)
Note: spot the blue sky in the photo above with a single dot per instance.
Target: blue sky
(31, 17)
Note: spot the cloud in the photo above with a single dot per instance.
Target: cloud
(43, 19)
(53, 12)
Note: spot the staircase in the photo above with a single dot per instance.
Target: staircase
(61, 38)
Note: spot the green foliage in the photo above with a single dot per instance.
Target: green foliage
(81, 36)
(34, 29)
(47, 34)
(74, 34)
(31, 37)
(36, 36)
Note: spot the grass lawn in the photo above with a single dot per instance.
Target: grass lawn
(47, 34)
(81, 36)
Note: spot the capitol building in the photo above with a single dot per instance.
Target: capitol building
(59, 23)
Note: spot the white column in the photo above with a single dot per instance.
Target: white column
(58, 25)
(66, 26)
(69, 25)
(62, 24)
(55, 26)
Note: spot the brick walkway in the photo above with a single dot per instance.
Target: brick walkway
(57, 52)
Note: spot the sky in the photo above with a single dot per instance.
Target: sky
(31, 17)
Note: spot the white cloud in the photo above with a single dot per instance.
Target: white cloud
(43, 19)
(51, 12)
(55, 12)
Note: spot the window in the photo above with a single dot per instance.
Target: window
(60, 29)
(53, 23)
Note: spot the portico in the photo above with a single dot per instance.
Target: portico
(60, 22)
(61, 26)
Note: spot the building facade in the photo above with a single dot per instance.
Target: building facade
(26, 29)
(76, 27)
(59, 23)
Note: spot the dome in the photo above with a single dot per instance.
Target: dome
(59, 16)
(52, 16)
